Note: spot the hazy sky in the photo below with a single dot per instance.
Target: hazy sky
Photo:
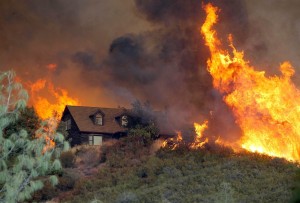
(35, 33)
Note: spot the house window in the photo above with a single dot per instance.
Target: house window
(68, 124)
(95, 140)
(124, 121)
(91, 140)
(99, 119)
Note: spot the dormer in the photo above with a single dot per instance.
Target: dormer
(124, 120)
(98, 117)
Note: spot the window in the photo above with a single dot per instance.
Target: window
(99, 119)
(91, 139)
(98, 140)
(124, 121)
(68, 124)
(95, 140)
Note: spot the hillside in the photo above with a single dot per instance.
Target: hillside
(128, 171)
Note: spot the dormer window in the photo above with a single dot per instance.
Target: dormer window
(98, 119)
(124, 121)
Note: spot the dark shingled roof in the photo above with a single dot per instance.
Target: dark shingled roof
(82, 117)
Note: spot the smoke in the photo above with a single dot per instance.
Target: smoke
(273, 34)
(36, 33)
(167, 65)
(111, 53)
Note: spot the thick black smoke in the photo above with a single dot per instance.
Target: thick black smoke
(167, 65)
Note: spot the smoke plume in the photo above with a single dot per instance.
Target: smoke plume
(110, 53)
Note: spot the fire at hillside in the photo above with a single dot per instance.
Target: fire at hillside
(266, 109)
(49, 102)
(229, 103)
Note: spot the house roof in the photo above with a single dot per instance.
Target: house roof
(85, 123)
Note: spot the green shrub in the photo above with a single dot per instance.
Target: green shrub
(127, 197)
(67, 159)
(68, 179)
(46, 193)
(296, 189)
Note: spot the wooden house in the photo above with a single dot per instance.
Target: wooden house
(94, 125)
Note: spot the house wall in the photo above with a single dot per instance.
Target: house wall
(104, 137)
(74, 135)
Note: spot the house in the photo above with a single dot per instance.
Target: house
(94, 125)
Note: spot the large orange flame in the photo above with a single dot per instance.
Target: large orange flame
(267, 109)
(49, 103)
(43, 105)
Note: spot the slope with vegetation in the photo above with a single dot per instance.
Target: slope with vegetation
(136, 169)
(130, 171)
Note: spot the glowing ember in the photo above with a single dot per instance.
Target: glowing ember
(267, 109)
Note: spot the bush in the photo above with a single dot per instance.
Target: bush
(296, 191)
(67, 159)
(91, 157)
(46, 193)
(127, 197)
(68, 179)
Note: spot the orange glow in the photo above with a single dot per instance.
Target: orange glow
(38, 85)
(53, 103)
(52, 67)
(267, 109)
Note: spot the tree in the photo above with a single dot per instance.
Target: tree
(143, 125)
(24, 163)
(27, 120)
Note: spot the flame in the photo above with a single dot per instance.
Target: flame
(199, 129)
(49, 103)
(174, 142)
(267, 109)
(43, 105)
